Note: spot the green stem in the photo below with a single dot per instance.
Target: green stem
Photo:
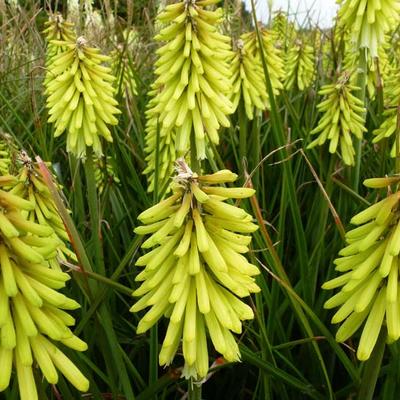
(101, 295)
(194, 388)
(153, 365)
(96, 237)
(96, 240)
(361, 83)
(372, 368)
(109, 282)
(350, 191)
(194, 391)
(77, 195)
(255, 145)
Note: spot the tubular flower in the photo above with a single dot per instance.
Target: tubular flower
(369, 265)
(368, 21)
(193, 75)
(81, 96)
(32, 316)
(273, 57)
(388, 127)
(342, 116)
(300, 68)
(196, 272)
(248, 81)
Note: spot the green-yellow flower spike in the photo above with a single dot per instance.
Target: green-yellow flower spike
(31, 186)
(272, 54)
(193, 75)
(342, 117)
(248, 81)
(5, 155)
(300, 66)
(369, 281)
(81, 96)
(368, 21)
(33, 313)
(160, 148)
(388, 127)
(282, 29)
(195, 271)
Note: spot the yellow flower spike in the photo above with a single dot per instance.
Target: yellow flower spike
(300, 66)
(369, 286)
(32, 237)
(80, 96)
(200, 284)
(388, 127)
(248, 81)
(29, 300)
(159, 142)
(5, 156)
(44, 219)
(253, 67)
(282, 30)
(342, 117)
(368, 21)
(191, 94)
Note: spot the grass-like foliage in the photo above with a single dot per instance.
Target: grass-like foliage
(228, 180)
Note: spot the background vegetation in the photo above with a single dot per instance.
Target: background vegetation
(305, 198)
